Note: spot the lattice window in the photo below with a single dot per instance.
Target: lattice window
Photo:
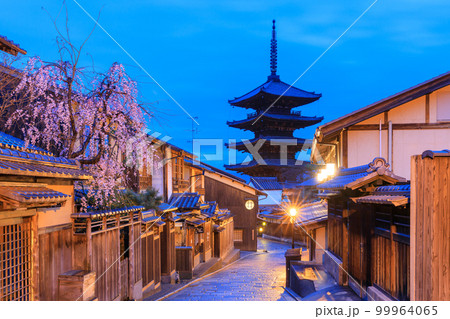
(15, 262)
(238, 235)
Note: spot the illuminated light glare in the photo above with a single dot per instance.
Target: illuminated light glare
(293, 212)
(260, 229)
(320, 176)
(264, 223)
(330, 170)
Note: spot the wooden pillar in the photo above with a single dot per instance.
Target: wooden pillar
(344, 148)
(89, 245)
(35, 258)
(131, 252)
(345, 243)
(394, 258)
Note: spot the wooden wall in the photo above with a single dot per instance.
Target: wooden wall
(336, 226)
(105, 255)
(168, 262)
(55, 258)
(234, 199)
(223, 241)
(185, 261)
(390, 267)
(148, 267)
(430, 228)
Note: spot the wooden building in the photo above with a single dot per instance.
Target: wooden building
(168, 254)
(236, 195)
(193, 233)
(36, 202)
(368, 230)
(223, 233)
(109, 244)
(412, 121)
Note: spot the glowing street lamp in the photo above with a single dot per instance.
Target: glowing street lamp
(292, 213)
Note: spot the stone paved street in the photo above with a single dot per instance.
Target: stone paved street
(259, 276)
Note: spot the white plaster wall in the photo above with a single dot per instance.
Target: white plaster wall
(374, 120)
(407, 143)
(157, 172)
(363, 146)
(60, 215)
(411, 112)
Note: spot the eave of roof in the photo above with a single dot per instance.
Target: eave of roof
(293, 120)
(383, 105)
(279, 139)
(33, 194)
(266, 183)
(277, 88)
(10, 47)
(290, 163)
(356, 177)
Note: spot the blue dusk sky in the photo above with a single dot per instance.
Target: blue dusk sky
(207, 52)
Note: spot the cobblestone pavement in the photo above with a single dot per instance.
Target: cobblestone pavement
(259, 277)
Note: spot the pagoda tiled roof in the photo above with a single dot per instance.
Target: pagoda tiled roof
(300, 141)
(293, 119)
(273, 89)
(266, 183)
(268, 162)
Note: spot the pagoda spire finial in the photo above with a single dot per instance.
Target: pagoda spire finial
(273, 54)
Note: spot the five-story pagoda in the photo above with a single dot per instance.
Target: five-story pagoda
(273, 122)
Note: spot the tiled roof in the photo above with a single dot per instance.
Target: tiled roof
(195, 221)
(299, 141)
(108, 212)
(149, 216)
(11, 142)
(18, 159)
(31, 169)
(185, 200)
(211, 210)
(266, 183)
(270, 162)
(309, 183)
(352, 177)
(9, 46)
(164, 207)
(32, 194)
(388, 195)
(312, 213)
(433, 154)
(299, 121)
(277, 88)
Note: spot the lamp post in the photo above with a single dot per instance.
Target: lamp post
(292, 213)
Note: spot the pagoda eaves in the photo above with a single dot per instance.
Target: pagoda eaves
(275, 90)
(292, 120)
